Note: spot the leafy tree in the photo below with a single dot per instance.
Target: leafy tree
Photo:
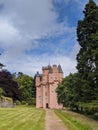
(26, 85)
(9, 86)
(80, 90)
(87, 58)
(69, 92)
(1, 92)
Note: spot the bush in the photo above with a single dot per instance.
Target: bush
(89, 108)
(9, 99)
(32, 101)
(23, 102)
(1, 92)
(18, 102)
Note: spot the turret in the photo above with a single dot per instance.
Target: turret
(37, 79)
(50, 69)
(60, 69)
(55, 69)
(45, 70)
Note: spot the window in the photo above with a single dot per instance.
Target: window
(45, 93)
(40, 98)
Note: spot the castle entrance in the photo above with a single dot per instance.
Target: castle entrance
(47, 106)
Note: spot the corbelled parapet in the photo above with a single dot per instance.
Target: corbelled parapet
(50, 69)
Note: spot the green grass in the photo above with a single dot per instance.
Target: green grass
(22, 118)
(74, 121)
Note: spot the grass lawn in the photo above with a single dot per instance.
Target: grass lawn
(74, 121)
(22, 118)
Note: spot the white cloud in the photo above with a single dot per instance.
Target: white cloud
(7, 32)
(31, 17)
(31, 64)
(75, 50)
(21, 23)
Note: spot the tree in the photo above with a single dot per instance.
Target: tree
(69, 91)
(26, 85)
(87, 58)
(1, 65)
(1, 92)
(9, 86)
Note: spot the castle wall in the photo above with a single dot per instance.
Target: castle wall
(39, 93)
(53, 96)
(44, 96)
(39, 97)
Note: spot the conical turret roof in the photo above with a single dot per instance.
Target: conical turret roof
(60, 69)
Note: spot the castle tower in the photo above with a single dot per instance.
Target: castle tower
(39, 91)
(46, 85)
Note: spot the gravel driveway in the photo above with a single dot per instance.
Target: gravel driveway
(53, 122)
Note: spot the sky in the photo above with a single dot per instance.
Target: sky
(36, 33)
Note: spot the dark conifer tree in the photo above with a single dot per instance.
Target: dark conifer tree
(87, 58)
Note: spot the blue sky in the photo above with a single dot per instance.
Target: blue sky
(34, 33)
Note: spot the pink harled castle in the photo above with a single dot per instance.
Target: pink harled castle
(46, 84)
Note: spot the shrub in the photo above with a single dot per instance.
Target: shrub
(31, 101)
(9, 99)
(18, 102)
(23, 102)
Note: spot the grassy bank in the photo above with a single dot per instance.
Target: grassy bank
(74, 121)
(22, 118)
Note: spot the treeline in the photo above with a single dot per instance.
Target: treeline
(18, 86)
(79, 91)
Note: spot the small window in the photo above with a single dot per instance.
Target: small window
(45, 93)
(40, 98)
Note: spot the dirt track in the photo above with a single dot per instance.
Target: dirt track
(53, 122)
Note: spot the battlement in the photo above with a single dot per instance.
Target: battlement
(49, 75)
(52, 69)
(45, 68)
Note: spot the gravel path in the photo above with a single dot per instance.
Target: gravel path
(53, 122)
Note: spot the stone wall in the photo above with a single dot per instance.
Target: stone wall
(6, 102)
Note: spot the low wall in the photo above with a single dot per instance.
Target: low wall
(6, 102)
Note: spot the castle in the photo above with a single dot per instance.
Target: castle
(46, 84)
